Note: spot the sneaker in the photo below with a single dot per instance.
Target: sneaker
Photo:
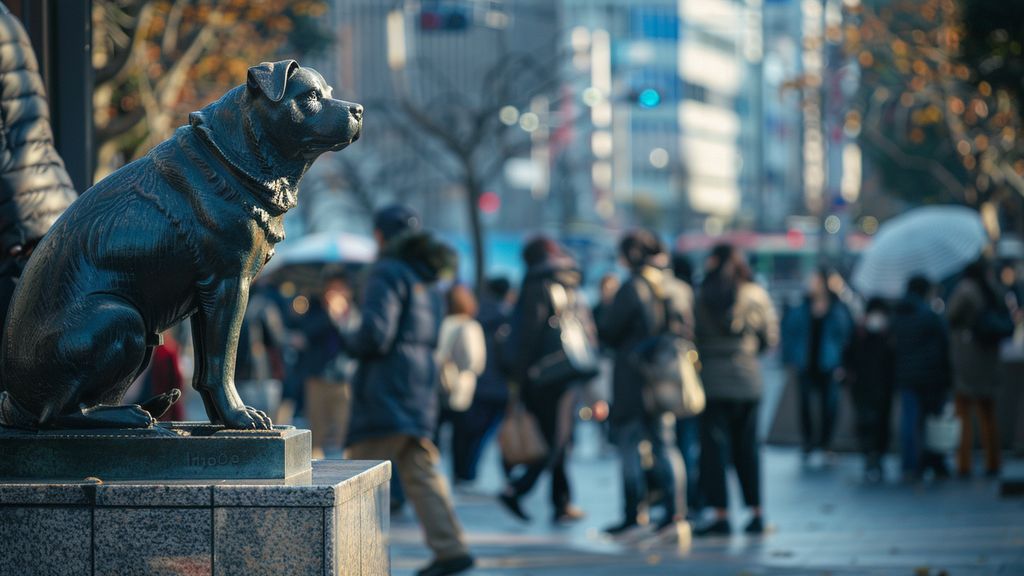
(450, 566)
(511, 503)
(621, 528)
(719, 527)
(755, 526)
(569, 514)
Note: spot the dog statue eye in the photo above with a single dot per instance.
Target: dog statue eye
(311, 103)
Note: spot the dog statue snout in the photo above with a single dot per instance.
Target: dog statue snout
(356, 110)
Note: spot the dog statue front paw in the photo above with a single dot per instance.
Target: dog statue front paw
(247, 418)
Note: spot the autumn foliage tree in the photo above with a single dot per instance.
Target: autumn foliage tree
(157, 60)
(934, 120)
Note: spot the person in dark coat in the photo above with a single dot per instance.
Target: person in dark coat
(975, 361)
(923, 375)
(547, 264)
(490, 401)
(35, 188)
(814, 338)
(870, 369)
(736, 322)
(637, 314)
(394, 392)
(328, 370)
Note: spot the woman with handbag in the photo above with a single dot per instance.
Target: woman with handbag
(736, 322)
(548, 315)
(639, 312)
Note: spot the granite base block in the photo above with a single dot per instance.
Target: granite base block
(332, 522)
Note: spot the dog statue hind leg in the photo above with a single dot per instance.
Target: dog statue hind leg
(106, 334)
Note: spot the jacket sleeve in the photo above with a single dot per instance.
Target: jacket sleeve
(381, 314)
(471, 349)
(531, 314)
(764, 319)
(34, 186)
(685, 307)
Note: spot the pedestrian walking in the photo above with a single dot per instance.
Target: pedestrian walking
(461, 358)
(647, 304)
(394, 392)
(814, 337)
(922, 376)
(735, 323)
(490, 401)
(978, 321)
(549, 302)
(869, 365)
(327, 367)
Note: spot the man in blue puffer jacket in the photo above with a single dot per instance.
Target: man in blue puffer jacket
(814, 338)
(394, 392)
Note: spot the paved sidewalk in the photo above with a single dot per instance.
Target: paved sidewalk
(822, 521)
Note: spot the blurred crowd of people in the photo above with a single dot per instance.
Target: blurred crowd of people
(389, 363)
(935, 353)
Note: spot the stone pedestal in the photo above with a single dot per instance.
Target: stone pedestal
(330, 521)
(168, 451)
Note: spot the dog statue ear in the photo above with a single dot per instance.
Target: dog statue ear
(271, 78)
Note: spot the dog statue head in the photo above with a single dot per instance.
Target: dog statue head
(298, 102)
(273, 127)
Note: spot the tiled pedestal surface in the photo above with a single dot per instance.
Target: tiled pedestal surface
(332, 521)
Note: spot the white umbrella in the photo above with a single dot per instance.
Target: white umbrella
(934, 241)
(325, 248)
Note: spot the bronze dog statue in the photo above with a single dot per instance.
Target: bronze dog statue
(179, 233)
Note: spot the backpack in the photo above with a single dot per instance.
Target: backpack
(573, 355)
(668, 363)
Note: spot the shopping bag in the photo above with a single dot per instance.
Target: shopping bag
(520, 438)
(942, 431)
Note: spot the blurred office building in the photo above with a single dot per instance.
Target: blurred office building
(676, 114)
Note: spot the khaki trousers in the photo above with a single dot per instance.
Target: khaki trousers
(416, 460)
(328, 407)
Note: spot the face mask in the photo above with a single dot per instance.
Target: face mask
(875, 322)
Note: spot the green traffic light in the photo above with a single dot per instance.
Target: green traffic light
(649, 98)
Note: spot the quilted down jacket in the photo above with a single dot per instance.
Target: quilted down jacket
(34, 186)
